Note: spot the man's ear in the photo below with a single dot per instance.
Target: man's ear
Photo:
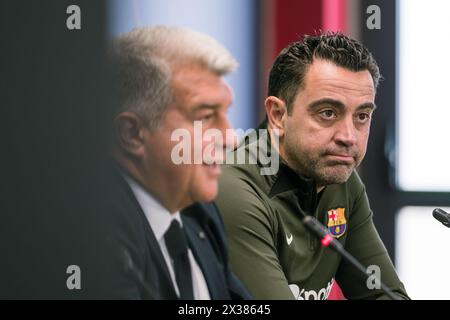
(129, 133)
(276, 111)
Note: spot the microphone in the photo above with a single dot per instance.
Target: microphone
(318, 229)
(442, 216)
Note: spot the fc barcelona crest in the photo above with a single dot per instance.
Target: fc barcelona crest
(336, 222)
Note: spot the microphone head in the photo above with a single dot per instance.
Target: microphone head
(442, 216)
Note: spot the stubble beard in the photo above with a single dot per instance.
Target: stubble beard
(323, 171)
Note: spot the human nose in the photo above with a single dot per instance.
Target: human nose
(346, 132)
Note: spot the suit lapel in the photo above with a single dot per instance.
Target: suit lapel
(206, 258)
(162, 277)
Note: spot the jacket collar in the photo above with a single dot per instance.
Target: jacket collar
(197, 236)
(287, 180)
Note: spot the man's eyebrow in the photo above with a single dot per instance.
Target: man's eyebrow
(368, 105)
(206, 106)
(335, 103)
(338, 104)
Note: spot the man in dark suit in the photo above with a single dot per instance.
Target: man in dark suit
(170, 83)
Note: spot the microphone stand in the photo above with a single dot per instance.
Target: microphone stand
(318, 229)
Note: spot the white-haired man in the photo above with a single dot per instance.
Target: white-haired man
(169, 77)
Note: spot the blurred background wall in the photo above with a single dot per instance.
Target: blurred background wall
(53, 91)
(405, 170)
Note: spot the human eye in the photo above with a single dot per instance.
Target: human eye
(363, 117)
(328, 114)
(205, 115)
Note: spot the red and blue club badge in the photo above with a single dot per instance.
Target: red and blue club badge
(337, 224)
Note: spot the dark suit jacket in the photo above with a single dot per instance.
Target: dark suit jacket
(131, 263)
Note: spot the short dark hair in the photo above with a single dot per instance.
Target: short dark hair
(289, 69)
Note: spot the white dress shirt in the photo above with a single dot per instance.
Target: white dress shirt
(160, 219)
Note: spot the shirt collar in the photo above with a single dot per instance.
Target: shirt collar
(158, 216)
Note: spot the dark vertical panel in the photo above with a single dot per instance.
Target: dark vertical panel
(264, 29)
(53, 111)
(376, 168)
(258, 91)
